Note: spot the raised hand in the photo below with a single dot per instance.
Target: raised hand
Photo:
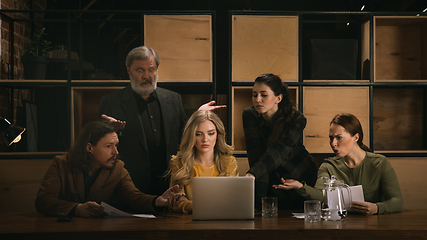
(210, 106)
(117, 124)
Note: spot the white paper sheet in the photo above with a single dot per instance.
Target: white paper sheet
(114, 212)
(298, 215)
(356, 195)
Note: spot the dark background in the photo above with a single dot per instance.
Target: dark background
(107, 47)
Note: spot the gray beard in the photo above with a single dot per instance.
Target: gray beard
(141, 90)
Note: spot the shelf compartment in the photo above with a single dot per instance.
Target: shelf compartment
(399, 49)
(39, 110)
(98, 43)
(184, 45)
(321, 104)
(241, 99)
(264, 44)
(334, 46)
(85, 102)
(398, 122)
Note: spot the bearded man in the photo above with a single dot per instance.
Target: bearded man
(151, 120)
(77, 182)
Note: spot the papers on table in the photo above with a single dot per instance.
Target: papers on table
(114, 212)
(298, 215)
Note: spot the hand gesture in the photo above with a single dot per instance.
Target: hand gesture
(117, 124)
(288, 184)
(89, 209)
(169, 198)
(181, 198)
(366, 208)
(210, 106)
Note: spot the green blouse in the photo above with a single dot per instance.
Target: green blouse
(375, 174)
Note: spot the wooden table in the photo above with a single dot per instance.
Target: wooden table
(410, 224)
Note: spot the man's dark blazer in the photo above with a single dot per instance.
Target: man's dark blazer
(132, 147)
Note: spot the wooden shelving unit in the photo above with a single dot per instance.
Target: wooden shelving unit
(70, 96)
(389, 63)
(387, 93)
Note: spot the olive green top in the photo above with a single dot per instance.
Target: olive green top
(375, 174)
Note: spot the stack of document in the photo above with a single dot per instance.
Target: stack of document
(114, 212)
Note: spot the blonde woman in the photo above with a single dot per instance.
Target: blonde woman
(203, 153)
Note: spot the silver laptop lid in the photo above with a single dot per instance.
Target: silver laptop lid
(223, 198)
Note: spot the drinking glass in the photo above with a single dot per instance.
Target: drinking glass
(269, 207)
(312, 211)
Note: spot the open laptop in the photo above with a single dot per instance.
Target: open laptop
(216, 198)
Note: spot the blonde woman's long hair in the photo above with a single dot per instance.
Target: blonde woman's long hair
(183, 162)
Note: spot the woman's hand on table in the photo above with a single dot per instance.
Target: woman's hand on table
(366, 208)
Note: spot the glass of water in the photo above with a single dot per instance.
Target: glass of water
(312, 211)
(269, 207)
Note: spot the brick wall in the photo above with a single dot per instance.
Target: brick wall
(21, 35)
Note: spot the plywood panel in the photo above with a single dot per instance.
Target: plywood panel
(365, 50)
(397, 52)
(223, 99)
(321, 104)
(411, 174)
(264, 44)
(398, 118)
(241, 99)
(19, 182)
(184, 45)
(242, 166)
(399, 48)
